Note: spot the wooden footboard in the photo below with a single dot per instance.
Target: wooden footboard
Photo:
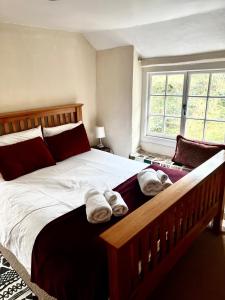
(146, 244)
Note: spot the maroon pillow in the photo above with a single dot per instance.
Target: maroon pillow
(24, 157)
(68, 143)
(193, 153)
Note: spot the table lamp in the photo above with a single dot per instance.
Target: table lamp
(100, 133)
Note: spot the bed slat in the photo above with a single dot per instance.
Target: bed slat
(29, 123)
(6, 128)
(145, 253)
(72, 117)
(153, 245)
(162, 237)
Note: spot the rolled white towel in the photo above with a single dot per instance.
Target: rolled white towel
(167, 183)
(98, 209)
(116, 202)
(162, 176)
(149, 182)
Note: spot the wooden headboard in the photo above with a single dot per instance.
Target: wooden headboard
(46, 116)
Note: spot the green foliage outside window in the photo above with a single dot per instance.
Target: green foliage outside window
(205, 102)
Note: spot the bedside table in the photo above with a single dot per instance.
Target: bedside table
(106, 149)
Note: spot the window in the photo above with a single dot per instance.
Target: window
(189, 103)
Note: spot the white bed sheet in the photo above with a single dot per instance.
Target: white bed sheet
(30, 202)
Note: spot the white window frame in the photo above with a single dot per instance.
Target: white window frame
(161, 139)
(207, 97)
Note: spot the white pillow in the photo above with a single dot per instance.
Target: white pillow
(16, 137)
(50, 131)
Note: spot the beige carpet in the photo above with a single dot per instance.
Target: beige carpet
(199, 275)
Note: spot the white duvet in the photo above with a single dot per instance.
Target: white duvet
(30, 202)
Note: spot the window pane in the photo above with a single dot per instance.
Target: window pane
(156, 124)
(216, 108)
(175, 84)
(196, 107)
(217, 87)
(199, 84)
(158, 84)
(173, 106)
(156, 105)
(215, 131)
(194, 129)
(172, 126)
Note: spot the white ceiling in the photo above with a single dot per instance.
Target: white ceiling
(154, 27)
(187, 35)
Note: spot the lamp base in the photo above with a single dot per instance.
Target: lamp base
(100, 145)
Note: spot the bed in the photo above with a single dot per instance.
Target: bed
(143, 246)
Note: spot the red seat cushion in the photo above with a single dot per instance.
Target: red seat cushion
(68, 143)
(24, 157)
(193, 153)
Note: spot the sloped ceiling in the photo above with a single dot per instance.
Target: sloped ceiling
(154, 27)
(187, 35)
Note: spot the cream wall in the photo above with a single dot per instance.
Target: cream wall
(136, 102)
(114, 97)
(40, 67)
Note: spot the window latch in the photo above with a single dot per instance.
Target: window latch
(184, 109)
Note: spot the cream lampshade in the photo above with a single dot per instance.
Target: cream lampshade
(100, 133)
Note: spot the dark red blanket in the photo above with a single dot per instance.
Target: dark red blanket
(69, 259)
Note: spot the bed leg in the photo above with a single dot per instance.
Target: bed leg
(218, 219)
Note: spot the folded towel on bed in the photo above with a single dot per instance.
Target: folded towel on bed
(149, 182)
(167, 183)
(119, 207)
(98, 209)
(162, 176)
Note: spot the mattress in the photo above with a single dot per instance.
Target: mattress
(32, 201)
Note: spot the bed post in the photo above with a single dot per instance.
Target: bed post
(218, 220)
(79, 112)
(118, 261)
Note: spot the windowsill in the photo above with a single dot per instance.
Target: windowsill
(159, 140)
(156, 159)
(159, 145)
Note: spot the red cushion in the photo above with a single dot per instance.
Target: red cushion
(193, 153)
(24, 157)
(68, 143)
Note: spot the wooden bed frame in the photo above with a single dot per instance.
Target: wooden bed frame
(146, 244)
(47, 117)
